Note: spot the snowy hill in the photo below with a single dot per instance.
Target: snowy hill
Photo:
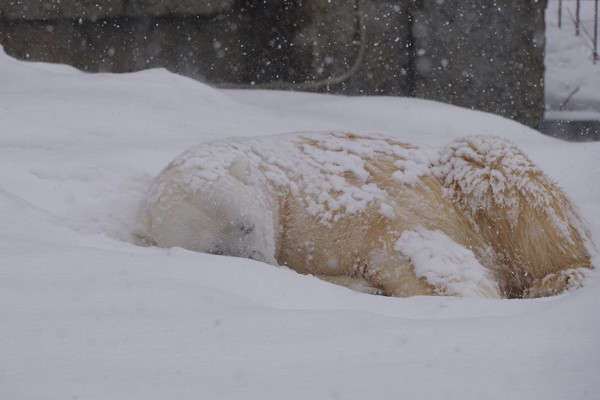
(86, 314)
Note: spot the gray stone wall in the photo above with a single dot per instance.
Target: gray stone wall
(100, 9)
(386, 40)
(483, 54)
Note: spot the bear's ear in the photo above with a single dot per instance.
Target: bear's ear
(241, 169)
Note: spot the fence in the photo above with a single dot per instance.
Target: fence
(580, 27)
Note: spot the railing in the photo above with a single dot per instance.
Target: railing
(580, 27)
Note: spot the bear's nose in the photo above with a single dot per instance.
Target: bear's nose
(257, 255)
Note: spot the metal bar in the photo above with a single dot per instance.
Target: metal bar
(559, 14)
(596, 32)
(578, 7)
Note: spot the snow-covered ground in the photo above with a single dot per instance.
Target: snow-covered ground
(85, 314)
(571, 76)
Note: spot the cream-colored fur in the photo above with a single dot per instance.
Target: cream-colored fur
(375, 214)
(540, 245)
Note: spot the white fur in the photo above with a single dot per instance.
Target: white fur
(477, 218)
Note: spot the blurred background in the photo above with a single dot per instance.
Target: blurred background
(481, 54)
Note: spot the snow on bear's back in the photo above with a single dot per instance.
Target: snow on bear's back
(343, 164)
(289, 161)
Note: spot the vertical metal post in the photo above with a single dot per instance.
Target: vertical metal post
(577, 17)
(559, 14)
(596, 32)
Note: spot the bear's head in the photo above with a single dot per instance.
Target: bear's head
(225, 212)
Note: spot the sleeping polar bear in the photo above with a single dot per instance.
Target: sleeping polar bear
(475, 218)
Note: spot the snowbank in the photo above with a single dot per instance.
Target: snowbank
(86, 314)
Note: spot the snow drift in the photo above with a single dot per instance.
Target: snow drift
(86, 314)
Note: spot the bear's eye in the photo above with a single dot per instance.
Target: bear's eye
(246, 228)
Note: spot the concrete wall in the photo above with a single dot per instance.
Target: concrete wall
(483, 54)
(100, 9)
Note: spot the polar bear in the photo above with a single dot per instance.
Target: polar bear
(476, 218)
